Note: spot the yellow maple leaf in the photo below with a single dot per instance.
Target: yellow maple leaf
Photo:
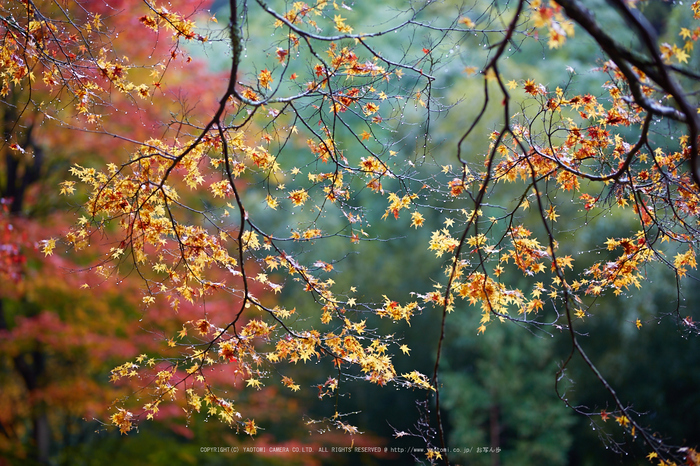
(681, 56)
(265, 78)
(253, 383)
(271, 202)
(551, 213)
(417, 220)
(622, 420)
(49, 246)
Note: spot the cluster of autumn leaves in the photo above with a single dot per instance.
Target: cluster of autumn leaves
(177, 261)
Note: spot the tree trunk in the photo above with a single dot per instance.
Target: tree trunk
(495, 431)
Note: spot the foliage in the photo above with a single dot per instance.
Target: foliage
(497, 395)
(273, 186)
(57, 341)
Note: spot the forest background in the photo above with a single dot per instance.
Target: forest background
(64, 328)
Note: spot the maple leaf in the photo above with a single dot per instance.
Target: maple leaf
(405, 349)
(530, 87)
(67, 187)
(340, 24)
(467, 22)
(289, 383)
(622, 420)
(123, 419)
(271, 202)
(250, 427)
(203, 326)
(299, 197)
(417, 220)
(370, 108)
(265, 78)
(253, 383)
(282, 54)
(349, 429)
(681, 56)
(49, 246)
